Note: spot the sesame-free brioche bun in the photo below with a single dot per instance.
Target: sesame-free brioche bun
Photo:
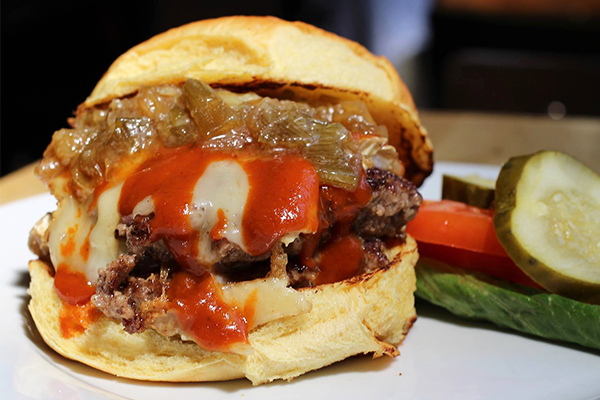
(276, 58)
(370, 313)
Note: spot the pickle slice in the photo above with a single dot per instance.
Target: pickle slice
(472, 190)
(548, 220)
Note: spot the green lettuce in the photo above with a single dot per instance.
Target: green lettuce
(525, 309)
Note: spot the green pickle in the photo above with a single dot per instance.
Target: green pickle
(472, 190)
(548, 220)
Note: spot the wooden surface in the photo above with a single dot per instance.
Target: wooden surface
(20, 184)
(493, 138)
(461, 137)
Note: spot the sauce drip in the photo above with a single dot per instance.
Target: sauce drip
(283, 198)
(71, 286)
(336, 206)
(345, 205)
(216, 232)
(203, 315)
(67, 249)
(170, 178)
(75, 319)
(339, 259)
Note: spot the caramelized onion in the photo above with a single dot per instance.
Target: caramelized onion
(157, 101)
(281, 123)
(128, 136)
(209, 111)
(180, 128)
(354, 115)
(104, 136)
(330, 147)
(335, 156)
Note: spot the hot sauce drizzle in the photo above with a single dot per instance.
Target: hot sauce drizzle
(339, 259)
(67, 249)
(75, 319)
(75, 291)
(170, 179)
(216, 232)
(203, 315)
(283, 197)
(339, 207)
(345, 205)
(71, 286)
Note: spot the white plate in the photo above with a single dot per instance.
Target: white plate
(442, 357)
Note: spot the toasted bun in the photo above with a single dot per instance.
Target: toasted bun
(277, 58)
(366, 314)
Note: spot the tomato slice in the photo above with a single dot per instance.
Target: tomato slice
(458, 225)
(463, 236)
(498, 267)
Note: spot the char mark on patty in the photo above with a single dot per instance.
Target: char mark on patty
(134, 300)
(395, 202)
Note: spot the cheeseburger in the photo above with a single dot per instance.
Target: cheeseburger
(232, 201)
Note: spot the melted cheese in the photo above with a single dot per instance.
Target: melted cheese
(68, 231)
(104, 247)
(144, 207)
(223, 186)
(271, 297)
(72, 229)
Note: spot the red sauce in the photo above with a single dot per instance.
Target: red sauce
(71, 286)
(170, 179)
(345, 205)
(336, 205)
(75, 319)
(216, 232)
(283, 198)
(67, 249)
(202, 314)
(339, 259)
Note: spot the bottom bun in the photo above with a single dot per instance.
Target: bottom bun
(370, 313)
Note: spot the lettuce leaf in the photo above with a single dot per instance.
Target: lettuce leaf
(478, 296)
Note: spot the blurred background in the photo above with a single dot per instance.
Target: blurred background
(529, 57)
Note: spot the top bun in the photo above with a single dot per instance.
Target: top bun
(275, 58)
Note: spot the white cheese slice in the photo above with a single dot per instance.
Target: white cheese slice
(270, 297)
(224, 185)
(144, 207)
(68, 231)
(72, 227)
(104, 247)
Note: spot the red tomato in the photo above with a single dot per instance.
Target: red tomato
(495, 266)
(464, 237)
(455, 224)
